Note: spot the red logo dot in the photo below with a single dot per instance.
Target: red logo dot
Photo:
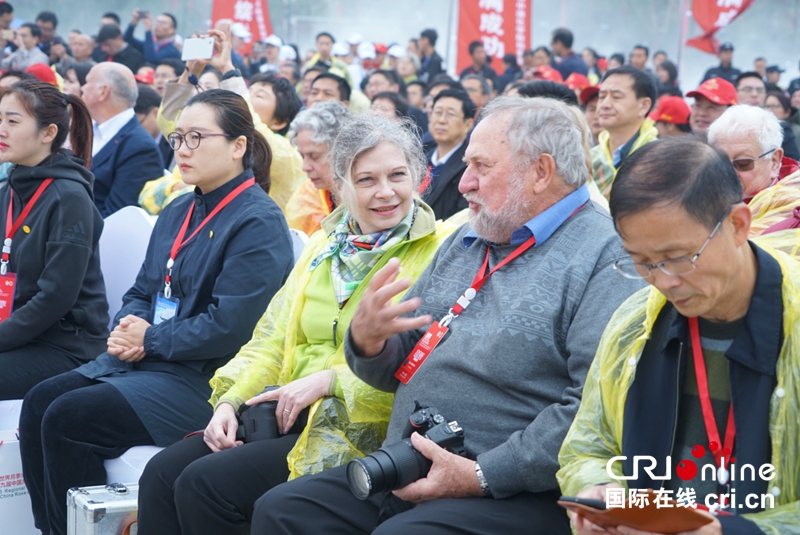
(713, 446)
(686, 470)
(698, 451)
(726, 452)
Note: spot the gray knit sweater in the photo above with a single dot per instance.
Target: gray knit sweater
(511, 369)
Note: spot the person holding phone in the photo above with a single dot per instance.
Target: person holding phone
(159, 36)
(299, 344)
(215, 259)
(27, 53)
(702, 365)
(286, 171)
(53, 309)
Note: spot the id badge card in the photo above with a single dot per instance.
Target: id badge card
(424, 347)
(8, 285)
(166, 308)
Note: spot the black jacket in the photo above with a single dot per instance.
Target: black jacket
(123, 166)
(128, 56)
(431, 66)
(61, 297)
(224, 277)
(652, 405)
(443, 195)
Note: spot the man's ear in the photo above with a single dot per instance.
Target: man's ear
(645, 104)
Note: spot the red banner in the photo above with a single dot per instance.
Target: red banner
(503, 26)
(712, 16)
(253, 14)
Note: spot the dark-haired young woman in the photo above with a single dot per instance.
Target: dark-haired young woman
(53, 309)
(215, 259)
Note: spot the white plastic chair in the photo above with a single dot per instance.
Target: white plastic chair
(123, 245)
(9, 414)
(299, 239)
(128, 468)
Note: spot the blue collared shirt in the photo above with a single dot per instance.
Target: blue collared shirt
(545, 224)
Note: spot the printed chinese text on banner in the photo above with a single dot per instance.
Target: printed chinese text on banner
(503, 26)
(252, 14)
(712, 16)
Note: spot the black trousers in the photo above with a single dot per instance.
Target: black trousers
(324, 504)
(187, 489)
(23, 368)
(69, 425)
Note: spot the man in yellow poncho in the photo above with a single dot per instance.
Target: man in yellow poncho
(714, 341)
(626, 97)
(752, 139)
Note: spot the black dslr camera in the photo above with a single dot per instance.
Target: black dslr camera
(399, 464)
(258, 422)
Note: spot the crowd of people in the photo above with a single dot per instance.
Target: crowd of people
(632, 258)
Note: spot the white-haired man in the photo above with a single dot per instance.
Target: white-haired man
(124, 155)
(509, 367)
(752, 139)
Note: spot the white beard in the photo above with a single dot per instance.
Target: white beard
(497, 227)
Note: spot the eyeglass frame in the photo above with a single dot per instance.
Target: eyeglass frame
(660, 265)
(182, 137)
(748, 89)
(751, 160)
(448, 116)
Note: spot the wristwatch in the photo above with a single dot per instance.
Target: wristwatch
(482, 481)
(231, 74)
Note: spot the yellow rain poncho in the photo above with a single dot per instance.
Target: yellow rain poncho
(774, 204)
(307, 207)
(603, 170)
(596, 433)
(339, 429)
(286, 170)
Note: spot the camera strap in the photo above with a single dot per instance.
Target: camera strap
(438, 329)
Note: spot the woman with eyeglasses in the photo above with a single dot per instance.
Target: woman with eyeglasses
(216, 258)
(209, 484)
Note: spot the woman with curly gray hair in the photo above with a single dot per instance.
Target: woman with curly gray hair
(325, 415)
(313, 132)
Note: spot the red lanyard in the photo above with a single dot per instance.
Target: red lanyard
(708, 411)
(427, 180)
(180, 242)
(13, 226)
(480, 278)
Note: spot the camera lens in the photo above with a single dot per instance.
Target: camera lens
(389, 468)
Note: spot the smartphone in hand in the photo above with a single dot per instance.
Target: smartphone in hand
(198, 48)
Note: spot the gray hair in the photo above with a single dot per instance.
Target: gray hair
(120, 88)
(365, 132)
(744, 121)
(324, 119)
(543, 126)
(414, 61)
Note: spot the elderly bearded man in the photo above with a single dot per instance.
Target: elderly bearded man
(511, 365)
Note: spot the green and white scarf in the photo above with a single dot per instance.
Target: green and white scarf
(353, 255)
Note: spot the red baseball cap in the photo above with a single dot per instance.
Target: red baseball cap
(43, 73)
(602, 63)
(546, 72)
(671, 110)
(148, 79)
(588, 94)
(577, 81)
(380, 48)
(716, 90)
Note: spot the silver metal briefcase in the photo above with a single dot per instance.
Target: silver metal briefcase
(102, 510)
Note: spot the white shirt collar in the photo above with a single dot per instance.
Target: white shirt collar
(436, 161)
(105, 132)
